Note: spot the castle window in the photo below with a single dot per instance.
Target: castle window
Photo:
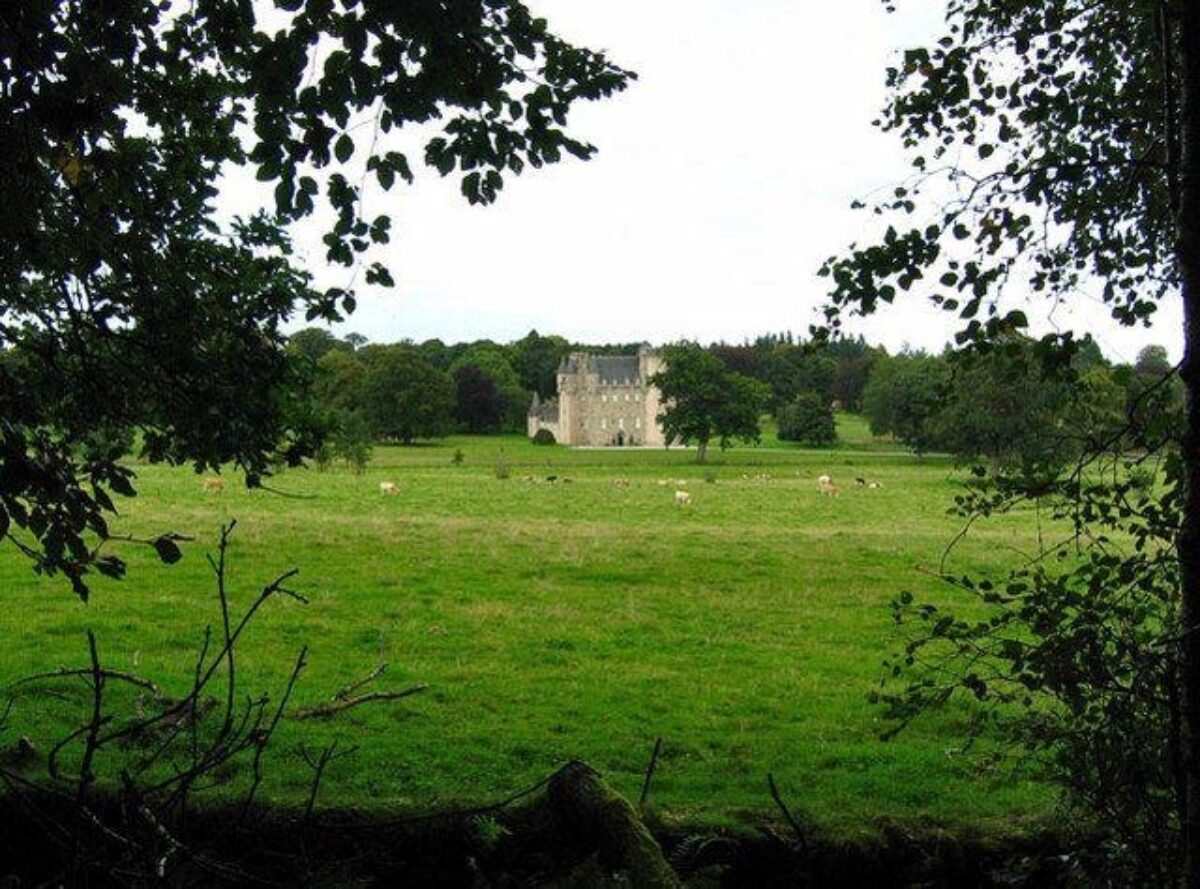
(603, 423)
(637, 423)
(621, 422)
(604, 398)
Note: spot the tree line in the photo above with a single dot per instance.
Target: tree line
(1009, 404)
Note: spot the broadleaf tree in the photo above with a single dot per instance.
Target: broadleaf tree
(704, 401)
(129, 300)
(1055, 147)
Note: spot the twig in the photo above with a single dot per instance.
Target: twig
(650, 773)
(89, 671)
(279, 493)
(263, 736)
(92, 743)
(801, 839)
(328, 755)
(323, 710)
(343, 693)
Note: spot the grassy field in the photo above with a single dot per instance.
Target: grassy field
(561, 620)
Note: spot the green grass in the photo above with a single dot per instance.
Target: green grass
(564, 620)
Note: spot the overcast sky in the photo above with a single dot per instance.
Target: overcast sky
(723, 180)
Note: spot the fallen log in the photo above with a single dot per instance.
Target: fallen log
(596, 813)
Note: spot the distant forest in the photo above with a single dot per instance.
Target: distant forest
(1015, 403)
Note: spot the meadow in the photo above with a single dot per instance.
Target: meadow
(574, 618)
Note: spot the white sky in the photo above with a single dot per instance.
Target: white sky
(723, 180)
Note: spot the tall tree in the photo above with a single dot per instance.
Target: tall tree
(479, 406)
(314, 342)
(405, 397)
(703, 400)
(536, 359)
(1068, 133)
(132, 302)
(903, 394)
(493, 361)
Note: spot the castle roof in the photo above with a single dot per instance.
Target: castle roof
(616, 368)
(609, 369)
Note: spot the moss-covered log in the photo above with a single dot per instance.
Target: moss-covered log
(588, 807)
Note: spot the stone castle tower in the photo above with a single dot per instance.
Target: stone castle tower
(603, 400)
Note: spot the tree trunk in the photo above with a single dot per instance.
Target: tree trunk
(701, 450)
(1188, 254)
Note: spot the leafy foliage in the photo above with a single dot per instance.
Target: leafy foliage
(1075, 660)
(808, 420)
(126, 302)
(404, 396)
(902, 395)
(1029, 113)
(478, 406)
(703, 400)
(1065, 134)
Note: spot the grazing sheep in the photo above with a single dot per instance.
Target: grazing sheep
(683, 498)
(214, 485)
(829, 489)
(621, 482)
(859, 480)
(875, 485)
(388, 488)
(662, 483)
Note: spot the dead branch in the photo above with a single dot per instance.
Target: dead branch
(322, 711)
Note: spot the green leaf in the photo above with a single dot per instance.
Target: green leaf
(343, 148)
(168, 551)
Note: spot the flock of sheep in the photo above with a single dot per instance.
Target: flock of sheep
(214, 485)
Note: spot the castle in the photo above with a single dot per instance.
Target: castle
(603, 400)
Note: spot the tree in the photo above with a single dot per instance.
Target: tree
(355, 341)
(854, 360)
(1000, 406)
(808, 419)
(536, 359)
(493, 361)
(1068, 133)
(478, 405)
(703, 400)
(314, 342)
(405, 397)
(132, 302)
(902, 395)
(1152, 361)
(339, 383)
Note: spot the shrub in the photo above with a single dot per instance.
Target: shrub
(808, 419)
(323, 458)
(458, 457)
(352, 442)
(544, 437)
(501, 469)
